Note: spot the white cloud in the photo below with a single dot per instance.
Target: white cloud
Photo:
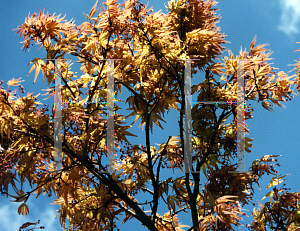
(290, 17)
(11, 220)
(49, 220)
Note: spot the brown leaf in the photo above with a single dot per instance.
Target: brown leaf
(23, 209)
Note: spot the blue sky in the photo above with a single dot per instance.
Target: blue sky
(274, 22)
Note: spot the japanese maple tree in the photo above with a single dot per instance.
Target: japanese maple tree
(149, 52)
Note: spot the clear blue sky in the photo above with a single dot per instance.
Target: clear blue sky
(274, 22)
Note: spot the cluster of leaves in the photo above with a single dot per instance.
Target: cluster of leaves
(150, 46)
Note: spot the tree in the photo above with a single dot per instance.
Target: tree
(150, 46)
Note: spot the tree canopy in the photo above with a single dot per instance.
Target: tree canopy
(149, 52)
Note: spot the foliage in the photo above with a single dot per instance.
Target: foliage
(150, 46)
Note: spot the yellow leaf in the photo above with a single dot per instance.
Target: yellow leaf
(276, 181)
(253, 43)
(269, 194)
(14, 82)
(93, 10)
(128, 181)
(103, 36)
(37, 64)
